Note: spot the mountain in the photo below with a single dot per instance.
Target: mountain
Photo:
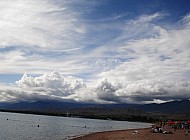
(4, 104)
(75, 109)
(134, 112)
(173, 107)
(43, 105)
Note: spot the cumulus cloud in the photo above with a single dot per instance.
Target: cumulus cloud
(58, 87)
(58, 84)
(48, 86)
(106, 91)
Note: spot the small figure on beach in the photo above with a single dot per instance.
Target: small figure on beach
(175, 127)
(136, 132)
(157, 129)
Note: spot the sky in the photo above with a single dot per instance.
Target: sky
(100, 51)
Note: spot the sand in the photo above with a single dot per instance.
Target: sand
(143, 134)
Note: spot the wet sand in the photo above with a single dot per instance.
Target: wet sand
(143, 134)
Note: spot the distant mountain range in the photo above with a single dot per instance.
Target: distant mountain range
(173, 107)
(172, 110)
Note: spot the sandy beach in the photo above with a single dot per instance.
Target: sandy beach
(143, 134)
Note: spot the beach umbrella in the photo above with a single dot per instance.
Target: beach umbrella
(170, 122)
(177, 122)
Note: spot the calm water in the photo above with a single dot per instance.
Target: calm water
(24, 126)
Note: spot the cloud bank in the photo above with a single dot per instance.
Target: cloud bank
(58, 87)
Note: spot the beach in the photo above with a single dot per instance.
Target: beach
(143, 134)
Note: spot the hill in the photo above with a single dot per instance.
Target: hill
(174, 107)
(131, 112)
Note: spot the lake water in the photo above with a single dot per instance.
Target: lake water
(15, 126)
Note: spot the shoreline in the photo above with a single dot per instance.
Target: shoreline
(78, 137)
(59, 115)
(129, 134)
(84, 136)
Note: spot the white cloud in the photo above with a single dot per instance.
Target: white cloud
(45, 36)
(54, 81)
(48, 86)
(38, 23)
(56, 86)
(159, 67)
(144, 63)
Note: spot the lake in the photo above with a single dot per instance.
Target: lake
(14, 126)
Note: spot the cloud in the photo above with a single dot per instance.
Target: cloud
(48, 86)
(47, 35)
(106, 91)
(39, 23)
(144, 63)
(159, 66)
(57, 83)
(58, 87)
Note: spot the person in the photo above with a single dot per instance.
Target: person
(175, 127)
(160, 130)
(160, 123)
(164, 123)
(157, 129)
